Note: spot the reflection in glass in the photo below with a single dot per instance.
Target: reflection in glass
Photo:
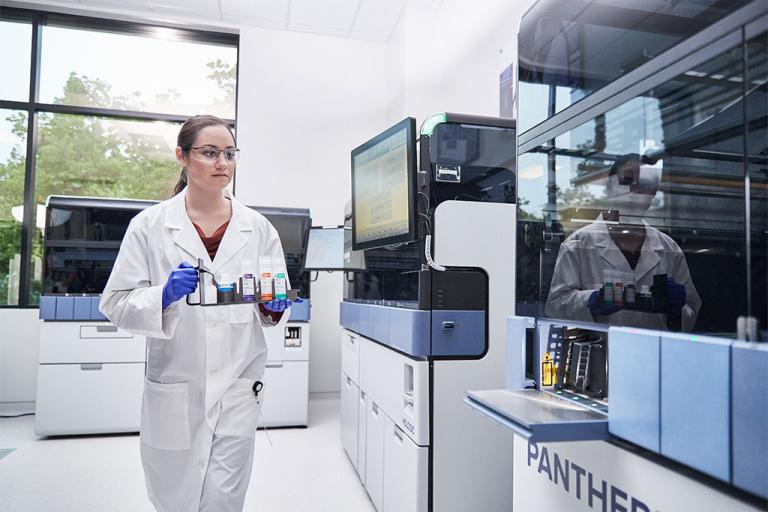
(570, 49)
(13, 156)
(81, 67)
(757, 149)
(16, 42)
(649, 194)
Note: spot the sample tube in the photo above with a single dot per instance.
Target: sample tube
(618, 288)
(281, 290)
(247, 282)
(265, 279)
(630, 290)
(607, 286)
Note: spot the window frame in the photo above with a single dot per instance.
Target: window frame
(33, 107)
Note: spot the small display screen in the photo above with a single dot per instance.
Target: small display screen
(325, 249)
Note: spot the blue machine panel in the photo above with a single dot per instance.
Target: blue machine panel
(409, 331)
(299, 311)
(47, 307)
(458, 333)
(95, 313)
(363, 312)
(749, 365)
(695, 389)
(65, 308)
(82, 309)
(634, 360)
(380, 324)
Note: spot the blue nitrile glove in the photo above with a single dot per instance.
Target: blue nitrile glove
(676, 293)
(280, 305)
(598, 308)
(181, 282)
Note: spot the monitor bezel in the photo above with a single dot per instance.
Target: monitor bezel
(409, 124)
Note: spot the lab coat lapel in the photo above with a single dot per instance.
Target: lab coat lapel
(608, 249)
(234, 238)
(184, 234)
(649, 254)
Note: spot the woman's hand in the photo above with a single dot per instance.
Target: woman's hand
(181, 282)
(280, 305)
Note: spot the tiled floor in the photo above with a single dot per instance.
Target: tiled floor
(306, 470)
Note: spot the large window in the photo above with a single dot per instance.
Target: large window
(101, 103)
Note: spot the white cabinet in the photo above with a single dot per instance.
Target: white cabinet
(88, 398)
(349, 417)
(89, 380)
(374, 455)
(362, 434)
(405, 472)
(286, 399)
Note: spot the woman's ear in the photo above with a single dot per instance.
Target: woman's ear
(180, 156)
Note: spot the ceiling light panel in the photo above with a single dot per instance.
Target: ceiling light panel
(193, 8)
(269, 10)
(329, 14)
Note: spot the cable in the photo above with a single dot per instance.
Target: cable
(17, 415)
(428, 254)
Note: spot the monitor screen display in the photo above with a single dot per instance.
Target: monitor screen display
(327, 250)
(383, 176)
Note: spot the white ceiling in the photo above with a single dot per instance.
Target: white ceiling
(372, 20)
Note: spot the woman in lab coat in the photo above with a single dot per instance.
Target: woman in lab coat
(624, 247)
(199, 409)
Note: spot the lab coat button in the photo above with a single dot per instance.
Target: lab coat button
(201, 463)
(214, 371)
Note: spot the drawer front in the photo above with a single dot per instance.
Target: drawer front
(405, 472)
(88, 342)
(374, 455)
(350, 355)
(349, 417)
(286, 394)
(88, 398)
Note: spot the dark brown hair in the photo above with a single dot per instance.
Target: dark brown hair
(188, 135)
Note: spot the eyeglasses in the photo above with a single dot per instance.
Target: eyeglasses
(209, 154)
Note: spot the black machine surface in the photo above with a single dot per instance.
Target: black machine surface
(82, 239)
(292, 224)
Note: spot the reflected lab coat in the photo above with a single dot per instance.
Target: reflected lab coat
(201, 362)
(590, 250)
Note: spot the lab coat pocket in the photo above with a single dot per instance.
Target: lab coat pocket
(239, 410)
(165, 416)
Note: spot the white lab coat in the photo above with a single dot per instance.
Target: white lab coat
(590, 250)
(201, 361)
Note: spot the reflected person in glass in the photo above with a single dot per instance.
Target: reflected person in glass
(620, 270)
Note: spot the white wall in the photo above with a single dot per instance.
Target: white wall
(18, 359)
(451, 60)
(304, 102)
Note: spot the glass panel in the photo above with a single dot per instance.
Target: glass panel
(757, 149)
(81, 67)
(637, 217)
(13, 156)
(16, 44)
(91, 156)
(567, 50)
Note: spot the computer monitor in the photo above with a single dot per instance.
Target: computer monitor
(326, 250)
(383, 188)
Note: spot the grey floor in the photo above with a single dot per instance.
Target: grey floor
(305, 470)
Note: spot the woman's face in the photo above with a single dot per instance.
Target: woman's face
(208, 167)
